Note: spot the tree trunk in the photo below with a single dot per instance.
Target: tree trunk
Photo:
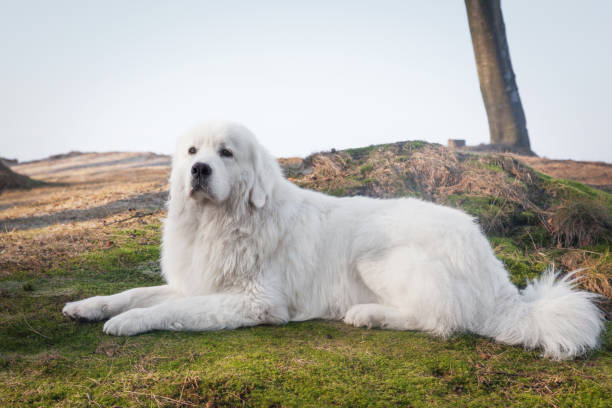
(507, 124)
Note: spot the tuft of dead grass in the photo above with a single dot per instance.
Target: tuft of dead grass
(431, 171)
(579, 222)
(594, 273)
(499, 187)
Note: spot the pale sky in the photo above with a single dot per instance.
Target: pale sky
(305, 76)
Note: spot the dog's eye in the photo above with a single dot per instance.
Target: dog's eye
(192, 150)
(226, 153)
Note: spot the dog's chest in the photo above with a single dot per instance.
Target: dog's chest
(221, 259)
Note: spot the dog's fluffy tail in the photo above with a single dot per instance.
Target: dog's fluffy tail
(552, 315)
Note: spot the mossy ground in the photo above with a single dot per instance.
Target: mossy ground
(47, 360)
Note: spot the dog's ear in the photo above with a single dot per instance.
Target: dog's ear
(265, 175)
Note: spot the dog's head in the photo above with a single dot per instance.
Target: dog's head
(220, 161)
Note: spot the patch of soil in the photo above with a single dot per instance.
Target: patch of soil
(596, 174)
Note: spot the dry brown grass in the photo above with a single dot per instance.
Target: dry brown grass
(434, 173)
(87, 181)
(46, 248)
(433, 170)
(437, 173)
(594, 273)
(43, 227)
(579, 222)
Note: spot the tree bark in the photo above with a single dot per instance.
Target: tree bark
(507, 124)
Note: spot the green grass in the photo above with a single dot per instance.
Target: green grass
(46, 360)
(520, 264)
(340, 192)
(366, 168)
(575, 190)
(360, 152)
(487, 162)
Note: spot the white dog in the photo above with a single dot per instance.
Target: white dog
(242, 246)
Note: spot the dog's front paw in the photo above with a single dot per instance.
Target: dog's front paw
(90, 310)
(129, 323)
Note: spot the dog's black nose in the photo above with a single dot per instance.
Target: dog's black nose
(201, 170)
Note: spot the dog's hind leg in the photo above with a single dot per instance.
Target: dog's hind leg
(413, 291)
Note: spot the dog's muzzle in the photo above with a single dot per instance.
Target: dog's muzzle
(200, 173)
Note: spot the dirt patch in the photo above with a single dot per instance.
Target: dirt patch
(597, 174)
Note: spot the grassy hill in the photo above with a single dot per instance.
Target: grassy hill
(11, 180)
(99, 233)
(524, 212)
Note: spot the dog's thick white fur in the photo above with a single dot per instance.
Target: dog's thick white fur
(242, 246)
